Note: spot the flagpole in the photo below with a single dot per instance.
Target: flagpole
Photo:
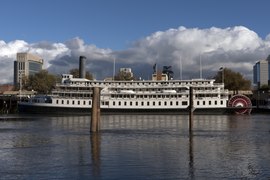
(113, 68)
(200, 67)
(180, 68)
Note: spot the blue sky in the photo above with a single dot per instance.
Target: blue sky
(137, 33)
(117, 23)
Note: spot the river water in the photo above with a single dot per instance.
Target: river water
(135, 147)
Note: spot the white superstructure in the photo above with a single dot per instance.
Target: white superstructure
(75, 94)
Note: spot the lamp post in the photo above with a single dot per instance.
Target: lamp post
(20, 79)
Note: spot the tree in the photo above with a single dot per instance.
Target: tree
(264, 87)
(124, 76)
(232, 80)
(168, 70)
(42, 82)
(76, 74)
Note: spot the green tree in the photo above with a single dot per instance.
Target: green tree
(232, 80)
(264, 87)
(42, 82)
(76, 74)
(124, 76)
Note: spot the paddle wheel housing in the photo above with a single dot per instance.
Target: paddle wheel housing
(241, 103)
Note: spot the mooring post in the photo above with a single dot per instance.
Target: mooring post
(191, 109)
(95, 114)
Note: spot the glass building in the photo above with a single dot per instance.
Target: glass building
(261, 73)
(27, 64)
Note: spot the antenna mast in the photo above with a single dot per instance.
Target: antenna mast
(200, 67)
(113, 68)
(180, 68)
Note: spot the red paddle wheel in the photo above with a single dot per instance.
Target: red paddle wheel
(241, 103)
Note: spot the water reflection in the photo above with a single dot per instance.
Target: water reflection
(95, 153)
(191, 159)
(135, 147)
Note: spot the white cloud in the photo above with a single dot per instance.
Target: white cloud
(237, 48)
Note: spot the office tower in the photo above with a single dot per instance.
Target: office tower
(261, 73)
(26, 64)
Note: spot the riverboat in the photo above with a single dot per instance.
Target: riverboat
(74, 95)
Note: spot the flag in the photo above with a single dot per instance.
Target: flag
(221, 68)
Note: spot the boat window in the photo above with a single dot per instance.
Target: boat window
(165, 103)
(62, 101)
(159, 103)
(136, 103)
(176, 103)
(57, 101)
(125, 103)
(67, 101)
(119, 103)
(83, 102)
(215, 102)
(130, 103)
(142, 103)
(148, 104)
(198, 103)
(114, 103)
(209, 102)
(221, 102)
(78, 102)
(171, 103)
(203, 102)
(184, 103)
(73, 102)
(154, 103)
(48, 99)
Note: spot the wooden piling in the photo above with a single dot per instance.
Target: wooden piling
(191, 109)
(95, 113)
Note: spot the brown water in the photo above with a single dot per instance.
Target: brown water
(135, 147)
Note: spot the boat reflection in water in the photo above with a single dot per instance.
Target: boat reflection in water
(135, 147)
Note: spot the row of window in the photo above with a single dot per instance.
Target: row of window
(165, 103)
(161, 96)
(145, 89)
(142, 103)
(142, 96)
(73, 102)
(138, 83)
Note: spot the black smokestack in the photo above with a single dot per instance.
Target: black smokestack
(82, 67)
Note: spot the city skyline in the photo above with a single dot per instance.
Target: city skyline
(137, 34)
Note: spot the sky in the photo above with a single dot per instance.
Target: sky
(180, 33)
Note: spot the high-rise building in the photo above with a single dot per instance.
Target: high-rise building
(261, 73)
(26, 64)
